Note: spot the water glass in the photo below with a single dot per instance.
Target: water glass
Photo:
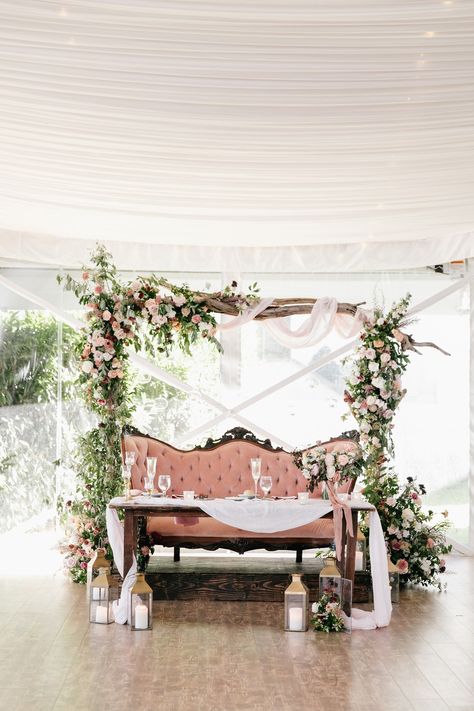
(266, 484)
(164, 482)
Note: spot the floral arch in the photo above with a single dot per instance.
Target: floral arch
(152, 314)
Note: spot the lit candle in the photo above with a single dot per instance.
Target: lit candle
(101, 614)
(359, 560)
(141, 617)
(295, 619)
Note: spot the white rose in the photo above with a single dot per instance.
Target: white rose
(107, 356)
(342, 460)
(376, 441)
(329, 459)
(385, 357)
(380, 321)
(408, 514)
(391, 502)
(314, 607)
(370, 353)
(364, 426)
(330, 472)
(371, 400)
(378, 383)
(374, 367)
(353, 380)
(87, 366)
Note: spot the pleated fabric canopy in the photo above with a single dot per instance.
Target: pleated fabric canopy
(264, 134)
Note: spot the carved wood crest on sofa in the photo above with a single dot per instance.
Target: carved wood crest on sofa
(220, 468)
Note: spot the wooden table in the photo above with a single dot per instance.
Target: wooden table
(133, 511)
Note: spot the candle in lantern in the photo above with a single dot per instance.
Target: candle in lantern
(359, 560)
(295, 619)
(101, 614)
(141, 617)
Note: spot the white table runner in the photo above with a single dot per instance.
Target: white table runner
(263, 517)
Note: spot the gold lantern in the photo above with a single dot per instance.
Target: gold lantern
(336, 589)
(103, 593)
(296, 605)
(141, 604)
(394, 580)
(361, 551)
(97, 562)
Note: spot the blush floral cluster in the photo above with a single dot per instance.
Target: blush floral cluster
(320, 466)
(416, 537)
(327, 614)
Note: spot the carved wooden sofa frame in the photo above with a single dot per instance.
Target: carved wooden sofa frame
(219, 468)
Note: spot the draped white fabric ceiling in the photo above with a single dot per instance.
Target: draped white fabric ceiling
(291, 134)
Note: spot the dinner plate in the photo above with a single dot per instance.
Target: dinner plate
(240, 497)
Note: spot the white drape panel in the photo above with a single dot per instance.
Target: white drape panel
(239, 129)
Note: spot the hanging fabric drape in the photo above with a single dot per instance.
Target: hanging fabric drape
(315, 327)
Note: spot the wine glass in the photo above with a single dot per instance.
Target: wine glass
(151, 466)
(266, 484)
(164, 482)
(130, 458)
(149, 485)
(255, 468)
(126, 474)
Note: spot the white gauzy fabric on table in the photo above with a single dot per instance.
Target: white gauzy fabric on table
(263, 517)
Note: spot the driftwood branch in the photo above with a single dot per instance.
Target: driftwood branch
(280, 308)
(409, 344)
(296, 306)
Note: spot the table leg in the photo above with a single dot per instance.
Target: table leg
(342, 562)
(129, 540)
(351, 550)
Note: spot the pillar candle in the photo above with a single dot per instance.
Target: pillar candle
(101, 614)
(295, 619)
(141, 617)
(359, 560)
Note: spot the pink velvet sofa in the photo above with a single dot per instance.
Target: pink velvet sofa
(221, 468)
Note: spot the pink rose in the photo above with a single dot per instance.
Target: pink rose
(196, 318)
(402, 565)
(98, 289)
(106, 315)
(395, 545)
(85, 276)
(398, 335)
(430, 543)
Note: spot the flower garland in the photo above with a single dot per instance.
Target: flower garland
(415, 542)
(374, 387)
(147, 313)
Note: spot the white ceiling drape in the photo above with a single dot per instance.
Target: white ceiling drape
(290, 134)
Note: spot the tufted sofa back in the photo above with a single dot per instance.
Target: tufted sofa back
(224, 469)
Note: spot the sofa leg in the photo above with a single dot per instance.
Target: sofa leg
(299, 555)
(177, 554)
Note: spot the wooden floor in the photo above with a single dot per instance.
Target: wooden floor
(229, 656)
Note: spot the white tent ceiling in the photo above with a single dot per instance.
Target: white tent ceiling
(292, 134)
